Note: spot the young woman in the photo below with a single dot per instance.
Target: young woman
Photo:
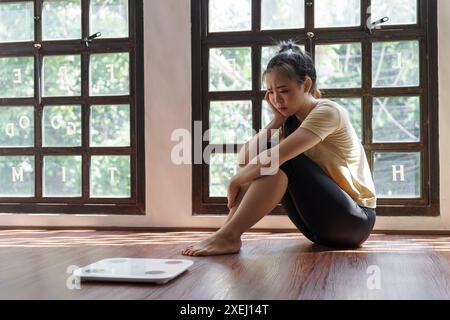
(325, 183)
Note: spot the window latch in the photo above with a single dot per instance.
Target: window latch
(374, 25)
(88, 40)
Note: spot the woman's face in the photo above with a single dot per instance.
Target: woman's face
(285, 94)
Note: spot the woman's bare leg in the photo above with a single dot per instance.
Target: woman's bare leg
(262, 196)
(239, 198)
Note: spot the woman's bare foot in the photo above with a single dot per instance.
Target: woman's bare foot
(214, 245)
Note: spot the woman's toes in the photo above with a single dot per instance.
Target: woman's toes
(201, 252)
(212, 246)
(198, 252)
(185, 250)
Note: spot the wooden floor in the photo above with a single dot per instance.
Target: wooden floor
(33, 265)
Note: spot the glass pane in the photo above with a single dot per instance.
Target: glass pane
(398, 11)
(110, 18)
(61, 76)
(62, 176)
(396, 64)
(17, 127)
(266, 114)
(110, 74)
(282, 14)
(230, 15)
(16, 21)
(230, 69)
(17, 77)
(339, 65)
(354, 109)
(332, 13)
(396, 119)
(110, 177)
(223, 166)
(230, 122)
(61, 126)
(110, 126)
(397, 175)
(267, 53)
(61, 19)
(17, 176)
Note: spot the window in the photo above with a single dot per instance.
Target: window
(71, 107)
(384, 74)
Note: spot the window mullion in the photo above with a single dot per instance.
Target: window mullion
(256, 86)
(38, 47)
(132, 30)
(38, 181)
(85, 107)
(85, 19)
(365, 13)
(367, 97)
(38, 154)
(38, 21)
(309, 25)
(256, 15)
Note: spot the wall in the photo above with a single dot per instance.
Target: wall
(168, 107)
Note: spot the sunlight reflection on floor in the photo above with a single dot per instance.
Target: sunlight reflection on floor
(80, 238)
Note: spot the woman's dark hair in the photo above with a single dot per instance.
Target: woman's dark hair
(295, 64)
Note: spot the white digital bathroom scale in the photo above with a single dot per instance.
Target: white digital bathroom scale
(133, 270)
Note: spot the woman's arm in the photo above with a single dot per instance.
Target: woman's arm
(268, 161)
(252, 144)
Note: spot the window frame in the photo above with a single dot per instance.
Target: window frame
(135, 205)
(425, 31)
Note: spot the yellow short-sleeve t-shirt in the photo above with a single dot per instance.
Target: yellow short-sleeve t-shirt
(340, 154)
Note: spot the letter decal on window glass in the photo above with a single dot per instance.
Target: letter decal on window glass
(71, 129)
(232, 63)
(24, 122)
(400, 171)
(57, 122)
(9, 129)
(398, 64)
(112, 171)
(17, 174)
(63, 73)
(63, 174)
(17, 75)
(110, 68)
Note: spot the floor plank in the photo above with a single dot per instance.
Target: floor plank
(34, 264)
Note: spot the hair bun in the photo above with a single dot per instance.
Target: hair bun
(286, 46)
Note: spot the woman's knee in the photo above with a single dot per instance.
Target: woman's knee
(295, 162)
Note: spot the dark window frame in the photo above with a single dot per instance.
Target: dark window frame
(425, 30)
(134, 44)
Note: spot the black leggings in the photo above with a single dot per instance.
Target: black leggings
(320, 209)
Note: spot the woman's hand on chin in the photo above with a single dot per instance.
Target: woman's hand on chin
(278, 117)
